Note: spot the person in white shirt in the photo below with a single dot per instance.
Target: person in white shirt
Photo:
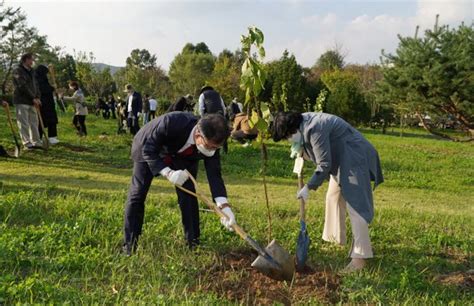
(153, 107)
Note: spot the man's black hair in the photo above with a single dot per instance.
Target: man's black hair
(285, 124)
(25, 57)
(214, 128)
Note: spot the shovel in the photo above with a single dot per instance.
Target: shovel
(273, 261)
(302, 245)
(17, 144)
(46, 141)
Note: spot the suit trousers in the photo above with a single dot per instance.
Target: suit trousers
(132, 123)
(335, 223)
(27, 120)
(135, 205)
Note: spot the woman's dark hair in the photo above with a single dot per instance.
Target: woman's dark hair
(41, 71)
(214, 128)
(74, 85)
(285, 124)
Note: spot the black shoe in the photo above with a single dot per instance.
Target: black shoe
(127, 250)
(193, 244)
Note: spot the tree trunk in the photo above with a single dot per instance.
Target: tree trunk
(267, 202)
(439, 134)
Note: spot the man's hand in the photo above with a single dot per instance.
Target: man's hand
(230, 220)
(177, 177)
(303, 193)
(37, 102)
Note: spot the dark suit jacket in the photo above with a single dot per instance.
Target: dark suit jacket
(167, 134)
(136, 104)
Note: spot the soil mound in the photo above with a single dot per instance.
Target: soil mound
(232, 277)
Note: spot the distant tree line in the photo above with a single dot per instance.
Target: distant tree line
(429, 78)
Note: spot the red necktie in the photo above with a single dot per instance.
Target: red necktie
(188, 151)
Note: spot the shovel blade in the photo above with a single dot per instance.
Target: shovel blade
(17, 152)
(279, 266)
(302, 247)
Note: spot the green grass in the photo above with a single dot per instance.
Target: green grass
(61, 223)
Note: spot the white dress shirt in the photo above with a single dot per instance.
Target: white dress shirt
(130, 99)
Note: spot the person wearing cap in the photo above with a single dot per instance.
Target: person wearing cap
(351, 163)
(170, 146)
(133, 108)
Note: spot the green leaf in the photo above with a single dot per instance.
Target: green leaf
(265, 111)
(254, 119)
(262, 126)
(248, 96)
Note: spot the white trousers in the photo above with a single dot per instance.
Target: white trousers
(27, 120)
(335, 223)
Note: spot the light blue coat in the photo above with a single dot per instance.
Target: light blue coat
(338, 149)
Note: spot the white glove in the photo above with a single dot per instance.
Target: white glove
(303, 193)
(295, 152)
(177, 177)
(230, 220)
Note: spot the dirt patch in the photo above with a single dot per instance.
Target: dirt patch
(460, 279)
(232, 277)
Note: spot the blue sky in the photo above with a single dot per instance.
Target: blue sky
(111, 29)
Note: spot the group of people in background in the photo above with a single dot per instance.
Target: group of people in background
(36, 100)
(34, 96)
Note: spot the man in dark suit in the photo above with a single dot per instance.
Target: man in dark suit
(133, 107)
(168, 146)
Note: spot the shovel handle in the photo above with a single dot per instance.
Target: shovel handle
(302, 202)
(38, 112)
(211, 205)
(10, 122)
(9, 118)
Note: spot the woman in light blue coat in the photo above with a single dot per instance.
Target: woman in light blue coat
(342, 155)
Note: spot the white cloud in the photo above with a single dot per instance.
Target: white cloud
(329, 19)
(450, 11)
(365, 36)
(112, 29)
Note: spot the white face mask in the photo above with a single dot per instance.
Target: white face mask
(204, 151)
(296, 141)
(295, 138)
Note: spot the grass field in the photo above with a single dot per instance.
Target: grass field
(61, 227)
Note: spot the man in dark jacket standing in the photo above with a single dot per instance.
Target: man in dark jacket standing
(25, 96)
(133, 107)
(48, 106)
(168, 146)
